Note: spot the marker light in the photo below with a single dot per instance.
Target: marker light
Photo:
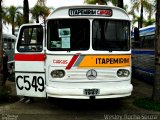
(58, 73)
(105, 12)
(123, 73)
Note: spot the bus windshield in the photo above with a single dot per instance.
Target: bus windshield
(111, 35)
(68, 34)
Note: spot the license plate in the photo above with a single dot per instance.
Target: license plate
(91, 92)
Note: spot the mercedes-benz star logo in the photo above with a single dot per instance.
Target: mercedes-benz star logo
(91, 74)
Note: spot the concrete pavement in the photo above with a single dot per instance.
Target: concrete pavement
(67, 109)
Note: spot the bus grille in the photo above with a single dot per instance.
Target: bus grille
(102, 74)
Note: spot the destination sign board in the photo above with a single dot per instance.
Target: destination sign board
(90, 12)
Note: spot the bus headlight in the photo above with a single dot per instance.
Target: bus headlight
(123, 73)
(58, 73)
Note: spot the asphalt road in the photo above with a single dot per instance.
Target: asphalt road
(68, 109)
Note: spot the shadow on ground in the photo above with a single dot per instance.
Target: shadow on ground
(88, 105)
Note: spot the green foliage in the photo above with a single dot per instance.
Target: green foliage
(102, 2)
(40, 11)
(136, 4)
(146, 6)
(11, 14)
(19, 20)
(95, 1)
(41, 2)
(147, 103)
(150, 21)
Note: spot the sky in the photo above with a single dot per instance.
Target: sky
(49, 3)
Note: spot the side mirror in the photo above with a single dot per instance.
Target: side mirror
(136, 34)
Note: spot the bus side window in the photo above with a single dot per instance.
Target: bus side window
(12, 44)
(9, 44)
(5, 44)
(148, 42)
(31, 39)
(136, 44)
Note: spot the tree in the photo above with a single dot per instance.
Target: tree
(41, 2)
(40, 11)
(142, 4)
(101, 2)
(19, 20)
(149, 21)
(135, 18)
(156, 88)
(10, 15)
(120, 3)
(1, 49)
(25, 11)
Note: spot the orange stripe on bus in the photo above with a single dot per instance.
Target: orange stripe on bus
(106, 61)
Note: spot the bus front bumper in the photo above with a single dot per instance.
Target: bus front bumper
(78, 93)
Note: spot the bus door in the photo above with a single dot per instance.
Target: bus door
(29, 61)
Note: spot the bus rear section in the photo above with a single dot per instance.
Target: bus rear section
(8, 49)
(85, 52)
(143, 54)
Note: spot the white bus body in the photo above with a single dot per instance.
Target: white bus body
(80, 52)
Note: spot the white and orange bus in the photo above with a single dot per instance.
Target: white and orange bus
(80, 52)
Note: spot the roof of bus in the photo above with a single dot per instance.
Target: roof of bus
(5, 35)
(63, 12)
(149, 30)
